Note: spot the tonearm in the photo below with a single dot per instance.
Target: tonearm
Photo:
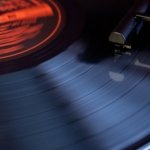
(130, 25)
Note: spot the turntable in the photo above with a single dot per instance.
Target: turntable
(62, 87)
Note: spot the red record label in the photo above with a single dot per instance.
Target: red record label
(28, 25)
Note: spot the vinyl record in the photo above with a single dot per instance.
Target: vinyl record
(64, 103)
(70, 105)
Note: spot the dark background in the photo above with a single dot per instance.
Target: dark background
(106, 6)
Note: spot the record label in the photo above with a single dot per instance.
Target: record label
(27, 26)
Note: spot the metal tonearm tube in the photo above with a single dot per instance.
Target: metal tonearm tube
(130, 24)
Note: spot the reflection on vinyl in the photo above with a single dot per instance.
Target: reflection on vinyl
(63, 103)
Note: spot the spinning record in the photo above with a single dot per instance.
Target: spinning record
(61, 102)
(33, 31)
(65, 104)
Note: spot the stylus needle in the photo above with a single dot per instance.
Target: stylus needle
(34, 12)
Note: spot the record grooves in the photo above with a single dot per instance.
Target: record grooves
(63, 103)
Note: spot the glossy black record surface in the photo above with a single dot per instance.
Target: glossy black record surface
(63, 103)
(71, 105)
